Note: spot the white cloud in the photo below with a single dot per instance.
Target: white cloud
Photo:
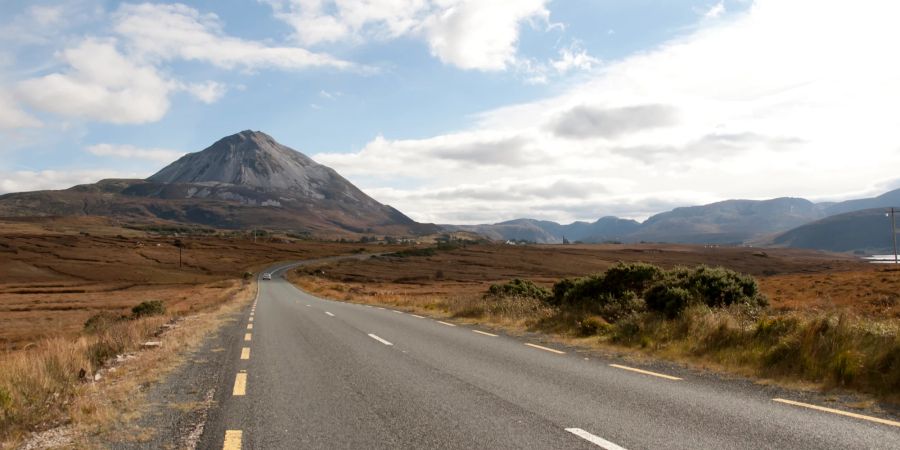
(100, 84)
(574, 59)
(166, 32)
(123, 80)
(28, 180)
(131, 152)
(756, 109)
(715, 11)
(481, 35)
(208, 92)
(11, 116)
(469, 34)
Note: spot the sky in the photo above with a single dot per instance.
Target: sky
(468, 111)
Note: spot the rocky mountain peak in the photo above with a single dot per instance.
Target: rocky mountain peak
(253, 159)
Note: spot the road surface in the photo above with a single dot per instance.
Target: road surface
(313, 373)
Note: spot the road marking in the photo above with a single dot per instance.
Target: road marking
(837, 411)
(379, 307)
(309, 306)
(645, 372)
(330, 314)
(368, 306)
(379, 339)
(249, 326)
(232, 440)
(417, 316)
(248, 336)
(545, 348)
(245, 353)
(398, 312)
(596, 440)
(445, 323)
(484, 333)
(240, 384)
(251, 319)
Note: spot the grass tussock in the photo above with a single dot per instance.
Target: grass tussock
(835, 350)
(39, 387)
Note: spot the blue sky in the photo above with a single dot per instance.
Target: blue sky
(459, 110)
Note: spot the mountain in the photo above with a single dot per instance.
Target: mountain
(727, 222)
(547, 232)
(241, 181)
(791, 222)
(867, 230)
(886, 200)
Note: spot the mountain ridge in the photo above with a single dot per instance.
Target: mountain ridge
(243, 180)
(727, 222)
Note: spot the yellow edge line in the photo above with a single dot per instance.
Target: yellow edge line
(484, 333)
(245, 353)
(232, 440)
(558, 352)
(645, 372)
(240, 384)
(248, 336)
(837, 411)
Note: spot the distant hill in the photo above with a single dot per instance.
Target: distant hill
(868, 230)
(547, 232)
(730, 222)
(241, 181)
(727, 222)
(886, 200)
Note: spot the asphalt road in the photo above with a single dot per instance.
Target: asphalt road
(324, 374)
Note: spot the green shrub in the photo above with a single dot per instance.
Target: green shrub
(247, 275)
(560, 288)
(627, 329)
(614, 307)
(633, 277)
(615, 282)
(519, 288)
(668, 299)
(425, 251)
(719, 286)
(101, 321)
(714, 287)
(593, 325)
(148, 308)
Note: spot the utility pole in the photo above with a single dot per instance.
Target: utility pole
(180, 246)
(894, 235)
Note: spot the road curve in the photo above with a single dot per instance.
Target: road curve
(313, 373)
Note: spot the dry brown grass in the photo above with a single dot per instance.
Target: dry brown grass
(53, 280)
(40, 388)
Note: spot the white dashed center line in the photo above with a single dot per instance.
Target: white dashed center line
(596, 440)
(379, 339)
(330, 314)
(539, 347)
(445, 323)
